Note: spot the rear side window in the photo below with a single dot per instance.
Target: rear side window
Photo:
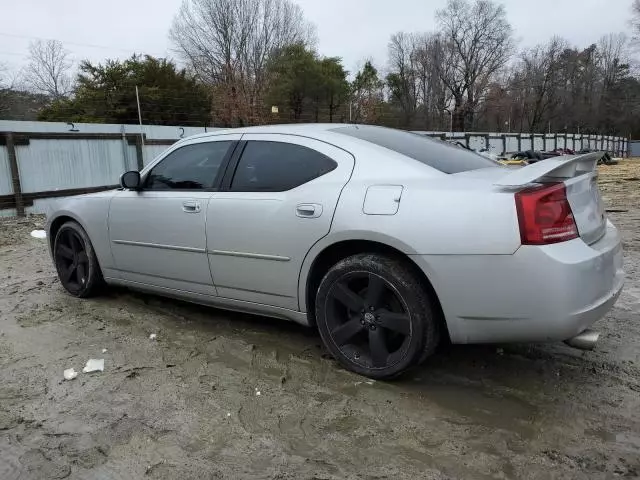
(192, 167)
(278, 167)
(439, 155)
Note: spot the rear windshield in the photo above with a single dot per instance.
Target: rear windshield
(440, 155)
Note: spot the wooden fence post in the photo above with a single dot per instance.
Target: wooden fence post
(15, 174)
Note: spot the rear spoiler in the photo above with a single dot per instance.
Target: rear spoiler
(554, 168)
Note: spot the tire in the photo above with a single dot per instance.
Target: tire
(376, 316)
(76, 262)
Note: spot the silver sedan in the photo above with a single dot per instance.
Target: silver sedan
(387, 241)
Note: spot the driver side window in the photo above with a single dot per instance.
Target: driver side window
(192, 167)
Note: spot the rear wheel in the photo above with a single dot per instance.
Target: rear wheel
(375, 315)
(76, 262)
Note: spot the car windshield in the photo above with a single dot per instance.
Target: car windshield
(440, 155)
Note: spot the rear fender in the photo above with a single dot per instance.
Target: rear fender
(337, 237)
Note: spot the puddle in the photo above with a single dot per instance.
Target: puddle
(479, 407)
(601, 433)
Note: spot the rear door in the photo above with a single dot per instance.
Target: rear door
(157, 234)
(279, 197)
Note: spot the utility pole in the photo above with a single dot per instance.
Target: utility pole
(139, 117)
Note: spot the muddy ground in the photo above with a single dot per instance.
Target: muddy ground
(185, 406)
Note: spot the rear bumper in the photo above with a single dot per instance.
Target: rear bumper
(546, 293)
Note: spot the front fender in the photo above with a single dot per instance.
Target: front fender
(92, 213)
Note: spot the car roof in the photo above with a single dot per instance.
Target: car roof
(286, 128)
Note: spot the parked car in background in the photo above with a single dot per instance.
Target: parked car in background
(386, 241)
(513, 162)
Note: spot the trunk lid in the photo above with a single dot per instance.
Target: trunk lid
(580, 176)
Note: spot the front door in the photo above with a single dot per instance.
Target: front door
(278, 203)
(158, 234)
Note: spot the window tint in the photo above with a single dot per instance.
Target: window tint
(192, 167)
(277, 167)
(437, 154)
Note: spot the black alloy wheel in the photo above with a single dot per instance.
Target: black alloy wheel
(374, 315)
(75, 261)
(371, 326)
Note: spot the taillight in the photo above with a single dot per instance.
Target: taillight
(545, 215)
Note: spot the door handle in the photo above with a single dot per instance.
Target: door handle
(309, 210)
(191, 207)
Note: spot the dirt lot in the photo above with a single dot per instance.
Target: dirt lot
(186, 405)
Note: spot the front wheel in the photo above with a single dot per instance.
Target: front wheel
(375, 315)
(76, 261)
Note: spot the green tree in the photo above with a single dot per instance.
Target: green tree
(294, 79)
(367, 96)
(335, 88)
(305, 84)
(106, 93)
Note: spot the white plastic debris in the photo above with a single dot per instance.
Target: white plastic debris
(228, 414)
(94, 365)
(104, 350)
(258, 393)
(39, 234)
(70, 374)
(153, 336)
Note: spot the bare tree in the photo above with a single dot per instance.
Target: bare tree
(402, 79)
(3, 75)
(10, 81)
(49, 69)
(635, 18)
(475, 42)
(433, 93)
(414, 82)
(612, 51)
(227, 44)
(536, 81)
(3, 89)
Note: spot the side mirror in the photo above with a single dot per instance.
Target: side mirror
(130, 180)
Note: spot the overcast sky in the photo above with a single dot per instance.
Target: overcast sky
(351, 29)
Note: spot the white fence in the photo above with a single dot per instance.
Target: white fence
(501, 143)
(42, 160)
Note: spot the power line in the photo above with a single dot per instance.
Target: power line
(78, 44)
